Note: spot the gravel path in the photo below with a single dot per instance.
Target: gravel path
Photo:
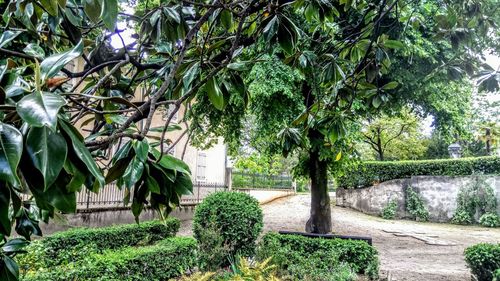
(408, 250)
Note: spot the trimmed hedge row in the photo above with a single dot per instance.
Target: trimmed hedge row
(484, 261)
(67, 246)
(293, 251)
(167, 259)
(372, 172)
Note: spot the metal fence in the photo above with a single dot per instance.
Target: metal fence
(112, 197)
(241, 180)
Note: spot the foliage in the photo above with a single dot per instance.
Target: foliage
(76, 244)
(395, 137)
(490, 220)
(496, 275)
(415, 205)
(214, 251)
(483, 259)
(236, 217)
(244, 180)
(476, 198)
(389, 211)
(258, 163)
(295, 255)
(372, 172)
(166, 259)
(244, 269)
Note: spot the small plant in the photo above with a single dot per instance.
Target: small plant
(236, 218)
(415, 205)
(245, 269)
(462, 217)
(490, 220)
(198, 276)
(477, 198)
(389, 211)
(483, 260)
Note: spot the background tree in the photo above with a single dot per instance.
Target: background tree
(395, 138)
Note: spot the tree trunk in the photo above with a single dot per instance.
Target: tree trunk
(380, 149)
(488, 141)
(321, 214)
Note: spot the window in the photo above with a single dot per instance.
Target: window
(169, 109)
(201, 166)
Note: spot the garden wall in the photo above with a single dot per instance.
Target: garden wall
(439, 194)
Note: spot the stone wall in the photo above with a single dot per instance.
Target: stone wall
(439, 194)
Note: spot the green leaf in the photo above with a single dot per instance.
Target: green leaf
(82, 152)
(171, 163)
(390, 86)
(8, 36)
(118, 169)
(271, 28)
(183, 184)
(133, 173)
(376, 102)
(238, 66)
(59, 197)
(5, 223)
(152, 185)
(33, 49)
(53, 64)
(50, 6)
(394, 44)
(11, 147)
(190, 75)
(215, 94)
(141, 149)
(93, 9)
(9, 271)
(173, 14)
(48, 152)
(40, 109)
(14, 245)
(109, 13)
(226, 18)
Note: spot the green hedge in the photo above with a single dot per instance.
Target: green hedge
(67, 246)
(167, 259)
(483, 260)
(372, 172)
(293, 253)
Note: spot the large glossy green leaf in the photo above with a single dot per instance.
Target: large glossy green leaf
(118, 169)
(35, 50)
(53, 64)
(40, 109)
(11, 147)
(183, 184)
(82, 152)
(48, 151)
(215, 95)
(171, 163)
(190, 75)
(5, 223)
(8, 36)
(133, 173)
(109, 13)
(50, 6)
(93, 9)
(9, 271)
(59, 197)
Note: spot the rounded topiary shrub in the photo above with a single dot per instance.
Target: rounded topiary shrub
(226, 224)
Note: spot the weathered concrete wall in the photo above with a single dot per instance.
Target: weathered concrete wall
(439, 194)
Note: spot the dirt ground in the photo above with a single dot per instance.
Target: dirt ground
(410, 251)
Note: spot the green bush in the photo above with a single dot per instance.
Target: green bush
(490, 220)
(167, 259)
(311, 258)
(74, 244)
(372, 172)
(235, 216)
(476, 198)
(389, 211)
(496, 275)
(415, 205)
(483, 260)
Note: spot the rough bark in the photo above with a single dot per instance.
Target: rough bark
(320, 220)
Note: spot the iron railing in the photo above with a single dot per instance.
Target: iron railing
(112, 197)
(242, 180)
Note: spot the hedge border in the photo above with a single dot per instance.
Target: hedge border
(368, 173)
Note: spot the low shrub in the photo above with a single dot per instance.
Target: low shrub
(462, 217)
(389, 211)
(75, 244)
(167, 259)
(483, 260)
(496, 275)
(415, 205)
(490, 220)
(371, 172)
(314, 258)
(236, 217)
